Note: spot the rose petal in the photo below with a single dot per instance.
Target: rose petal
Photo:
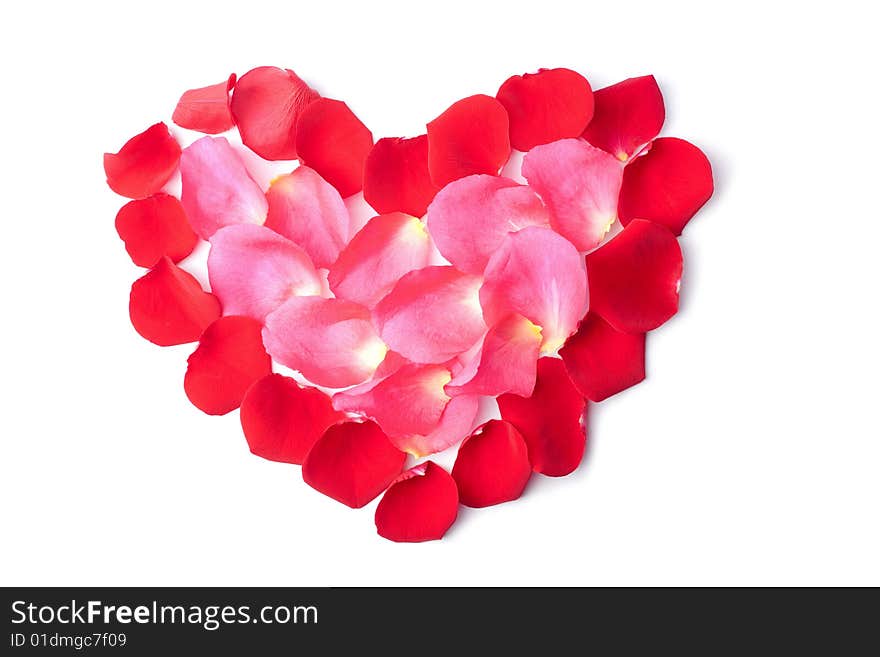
(352, 463)
(627, 116)
(539, 275)
(330, 341)
(551, 421)
(469, 137)
(431, 315)
(410, 401)
(308, 210)
(144, 164)
(667, 185)
(507, 361)
(230, 358)
(216, 188)
(154, 227)
(266, 104)
(206, 109)
(455, 423)
(332, 140)
(469, 218)
(282, 419)
(385, 249)
(545, 106)
(601, 360)
(421, 505)
(253, 270)
(579, 184)
(168, 306)
(396, 177)
(492, 465)
(634, 278)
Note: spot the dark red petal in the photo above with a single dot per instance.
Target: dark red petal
(601, 360)
(168, 306)
(332, 140)
(545, 106)
(420, 505)
(469, 137)
(266, 104)
(551, 421)
(352, 463)
(627, 116)
(667, 185)
(206, 109)
(144, 164)
(282, 420)
(230, 358)
(634, 277)
(396, 177)
(154, 227)
(492, 465)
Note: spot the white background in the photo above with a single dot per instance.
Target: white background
(751, 454)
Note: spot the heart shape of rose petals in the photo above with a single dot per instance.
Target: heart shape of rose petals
(536, 288)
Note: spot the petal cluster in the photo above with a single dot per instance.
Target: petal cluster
(464, 290)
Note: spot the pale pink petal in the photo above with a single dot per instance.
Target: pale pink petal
(455, 424)
(330, 341)
(388, 247)
(409, 401)
(538, 274)
(308, 210)
(579, 184)
(412, 408)
(431, 315)
(216, 189)
(508, 361)
(253, 270)
(469, 218)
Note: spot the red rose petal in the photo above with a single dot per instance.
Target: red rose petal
(154, 227)
(332, 140)
(230, 358)
(580, 185)
(330, 341)
(470, 217)
(144, 164)
(206, 109)
(506, 363)
(545, 106)
(253, 270)
(380, 254)
(627, 116)
(431, 315)
(634, 277)
(469, 137)
(216, 188)
(266, 105)
(396, 177)
(667, 185)
(601, 360)
(538, 274)
(421, 505)
(492, 465)
(282, 419)
(168, 306)
(308, 210)
(352, 463)
(551, 421)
